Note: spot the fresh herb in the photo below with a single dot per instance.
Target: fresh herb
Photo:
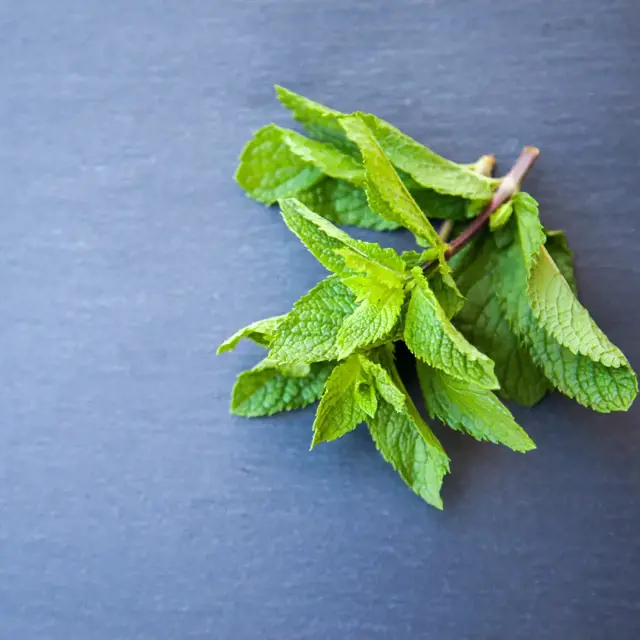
(494, 312)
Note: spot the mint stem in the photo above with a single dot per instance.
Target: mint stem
(509, 186)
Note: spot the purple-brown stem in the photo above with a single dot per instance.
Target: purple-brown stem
(508, 188)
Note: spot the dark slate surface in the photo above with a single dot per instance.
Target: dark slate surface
(131, 504)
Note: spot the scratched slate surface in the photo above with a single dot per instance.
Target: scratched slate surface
(131, 504)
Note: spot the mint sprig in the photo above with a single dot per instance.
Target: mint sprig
(494, 312)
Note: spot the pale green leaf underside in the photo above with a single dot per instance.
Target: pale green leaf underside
(471, 409)
(386, 193)
(430, 335)
(309, 332)
(261, 332)
(339, 411)
(591, 382)
(563, 317)
(269, 170)
(265, 390)
(483, 322)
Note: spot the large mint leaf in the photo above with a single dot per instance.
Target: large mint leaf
(339, 410)
(386, 193)
(343, 204)
(261, 332)
(326, 242)
(427, 168)
(592, 382)
(269, 170)
(429, 334)
(266, 389)
(408, 444)
(561, 315)
(309, 332)
(471, 409)
(483, 322)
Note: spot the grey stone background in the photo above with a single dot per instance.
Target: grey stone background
(131, 504)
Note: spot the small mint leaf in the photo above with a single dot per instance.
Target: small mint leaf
(265, 389)
(339, 411)
(269, 170)
(261, 332)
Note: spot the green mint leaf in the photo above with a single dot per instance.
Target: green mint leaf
(483, 322)
(408, 444)
(559, 251)
(429, 334)
(325, 241)
(414, 259)
(310, 330)
(266, 389)
(269, 170)
(330, 160)
(343, 204)
(373, 319)
(384, 384)
(471, 409)
(261, 332)
(386, 193)
(390, 272)
(561, 315)
(367, 398)
(320, 121)
(530, 230)
(446, 291)
(593, 382)
(427, 168)
(339, 411)
(501, 215)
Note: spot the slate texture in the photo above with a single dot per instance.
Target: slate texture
(132, 506)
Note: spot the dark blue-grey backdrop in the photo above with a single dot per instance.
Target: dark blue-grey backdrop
(131, 504)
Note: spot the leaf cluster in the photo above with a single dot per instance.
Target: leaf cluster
(501, 320)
